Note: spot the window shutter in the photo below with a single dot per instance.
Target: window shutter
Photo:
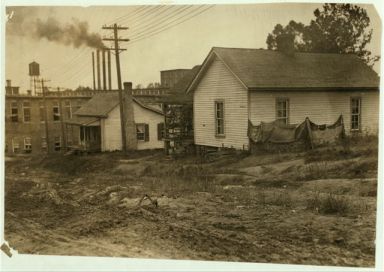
(146, 131)
(160, 129)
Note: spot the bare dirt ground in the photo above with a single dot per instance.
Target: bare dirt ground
(313, 208)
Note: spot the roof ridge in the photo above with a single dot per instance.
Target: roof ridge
(271, 50)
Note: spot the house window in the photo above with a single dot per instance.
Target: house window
(15, 146)
(282, 110)
(219, 118)
(68, 109)
(14, 112)
(355, 113)
(142, 132)
(43, 143)
(42, 112)
(57, 143)
(56, 111)
(27, 145)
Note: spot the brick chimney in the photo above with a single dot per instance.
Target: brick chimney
(130, 126)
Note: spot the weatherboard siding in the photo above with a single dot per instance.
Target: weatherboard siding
(219, 83)
(111, 129)
(320, 106)
(144, 116)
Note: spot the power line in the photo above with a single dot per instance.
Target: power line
(151, 16)
(135, 15)
(168, 24)
(146, 15)
(151, 34)
(80, 62)
(74, 59)
(74, 74)
(147, 27)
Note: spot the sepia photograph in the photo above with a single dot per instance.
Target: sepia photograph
(234, 133)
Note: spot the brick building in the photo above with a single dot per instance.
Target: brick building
(25, 126)
(168, 78)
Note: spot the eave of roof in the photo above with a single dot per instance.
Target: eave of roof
(304, 89)
(83, 120)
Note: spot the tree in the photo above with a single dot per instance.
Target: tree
(337, 28)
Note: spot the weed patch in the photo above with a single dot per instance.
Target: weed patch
(335, 204)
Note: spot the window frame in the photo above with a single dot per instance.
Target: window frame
(359, 99)
(68, 108)
(56, 116)
(13, 115)
(217, 119)
(44, 143)
(15, 145)
(27, 146)
(57, 147)
(24, 107)
(143, 133)
(286, 110)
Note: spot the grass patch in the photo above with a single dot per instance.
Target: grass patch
(350, 147)
(335, 204)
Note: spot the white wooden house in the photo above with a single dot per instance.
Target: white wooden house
(236, 85)
(100, 126)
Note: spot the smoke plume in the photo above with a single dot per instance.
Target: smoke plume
(24, 22)
(75, 34)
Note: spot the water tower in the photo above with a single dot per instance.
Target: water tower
(34, 74)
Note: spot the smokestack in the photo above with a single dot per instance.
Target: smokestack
(93, 70)
(104, 72)
(9, 83)
(109, 70)
(98, 69)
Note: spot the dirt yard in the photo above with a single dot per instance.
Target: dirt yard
(313, 208)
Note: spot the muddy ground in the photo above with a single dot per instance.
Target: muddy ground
(313, 207)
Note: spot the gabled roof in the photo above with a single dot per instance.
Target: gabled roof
(101, 104)
(269, 69)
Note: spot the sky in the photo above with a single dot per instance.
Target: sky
(161, 37)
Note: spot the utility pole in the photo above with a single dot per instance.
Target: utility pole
(45, 115)
(117, 49)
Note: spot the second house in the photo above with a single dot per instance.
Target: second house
(100, 124)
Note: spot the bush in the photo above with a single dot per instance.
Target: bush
(334, 204)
